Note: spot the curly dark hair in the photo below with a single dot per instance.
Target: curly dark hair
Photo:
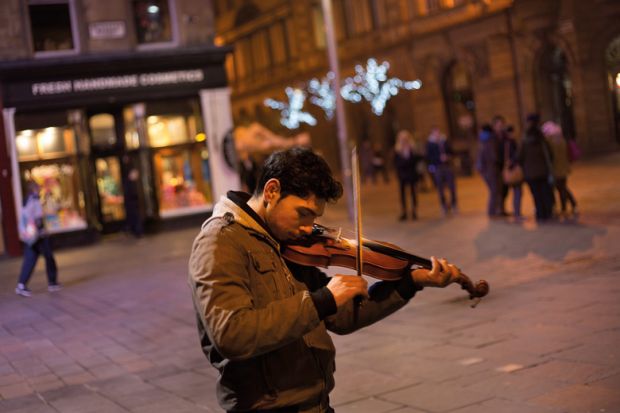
(301, 172)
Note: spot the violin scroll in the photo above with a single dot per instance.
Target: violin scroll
(476, 291)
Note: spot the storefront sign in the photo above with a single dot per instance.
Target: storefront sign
(107, 30)
(106, 83)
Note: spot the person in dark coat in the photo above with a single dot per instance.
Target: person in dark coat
(511, 153)
(406, 163)
(488, 166)
(439, 156)
(499, 130)
(535, 157)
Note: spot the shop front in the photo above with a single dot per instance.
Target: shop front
(122, 149)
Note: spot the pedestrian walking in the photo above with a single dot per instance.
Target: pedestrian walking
(263, 321)
(406, 160)
(536, 158)
(560, 165)
(36, 242)
(439, 156)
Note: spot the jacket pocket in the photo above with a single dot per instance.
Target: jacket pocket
(264, 284)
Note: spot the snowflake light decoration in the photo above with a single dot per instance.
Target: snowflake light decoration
(291, 113)
(371, 83)
(322, 94)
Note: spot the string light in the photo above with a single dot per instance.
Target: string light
(322, 94)
(370, 83)
(291, 113)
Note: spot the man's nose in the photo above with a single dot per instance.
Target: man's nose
(305, 229)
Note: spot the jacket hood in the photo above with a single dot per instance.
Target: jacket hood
(227, 206)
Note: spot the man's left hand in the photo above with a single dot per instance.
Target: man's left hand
(442, 274)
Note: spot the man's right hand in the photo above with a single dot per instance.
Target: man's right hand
(346, 287)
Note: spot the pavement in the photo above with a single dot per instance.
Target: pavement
(121, 335)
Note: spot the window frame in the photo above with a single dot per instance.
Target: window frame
(174, 30)
(75, 31)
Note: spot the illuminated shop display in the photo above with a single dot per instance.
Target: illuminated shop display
(46, 156)
(180, 163)
(109, 185)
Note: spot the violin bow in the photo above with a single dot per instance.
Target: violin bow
(357, 203)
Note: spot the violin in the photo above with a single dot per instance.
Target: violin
(325, 247)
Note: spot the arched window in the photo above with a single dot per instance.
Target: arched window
(460, 104)
(555, 89)
(612, 59)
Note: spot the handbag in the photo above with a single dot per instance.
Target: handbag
(28, 231)
(514, 175)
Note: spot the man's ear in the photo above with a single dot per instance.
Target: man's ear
(272, 188)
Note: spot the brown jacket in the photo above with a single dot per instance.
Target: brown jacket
(262, 326)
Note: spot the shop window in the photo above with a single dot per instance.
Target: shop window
(180, 158)
(109, 185)
(132, 137)
(53, 27)
(102, 130)
(182, 184)
(169, 130)
(46, 156)
(44, 143)
(61, 197)
(154, 22)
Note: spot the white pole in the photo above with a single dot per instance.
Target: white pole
(9, 131)
(341, 125)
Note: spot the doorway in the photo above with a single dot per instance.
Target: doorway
(458, 90)
(555, 90)
(612, 60)
(107, 143)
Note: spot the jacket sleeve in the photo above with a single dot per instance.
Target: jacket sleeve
(219, 279)
(386, 297)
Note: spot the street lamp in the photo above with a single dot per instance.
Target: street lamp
(341, 125)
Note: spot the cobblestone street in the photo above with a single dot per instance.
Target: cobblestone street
(121, 335)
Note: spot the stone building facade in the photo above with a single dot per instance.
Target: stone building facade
(475, 58)
(116, 109)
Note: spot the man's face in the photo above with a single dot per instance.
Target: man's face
(292, 217)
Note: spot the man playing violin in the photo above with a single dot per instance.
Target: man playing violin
(263, 321)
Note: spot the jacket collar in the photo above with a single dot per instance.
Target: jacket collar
(235, 203)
